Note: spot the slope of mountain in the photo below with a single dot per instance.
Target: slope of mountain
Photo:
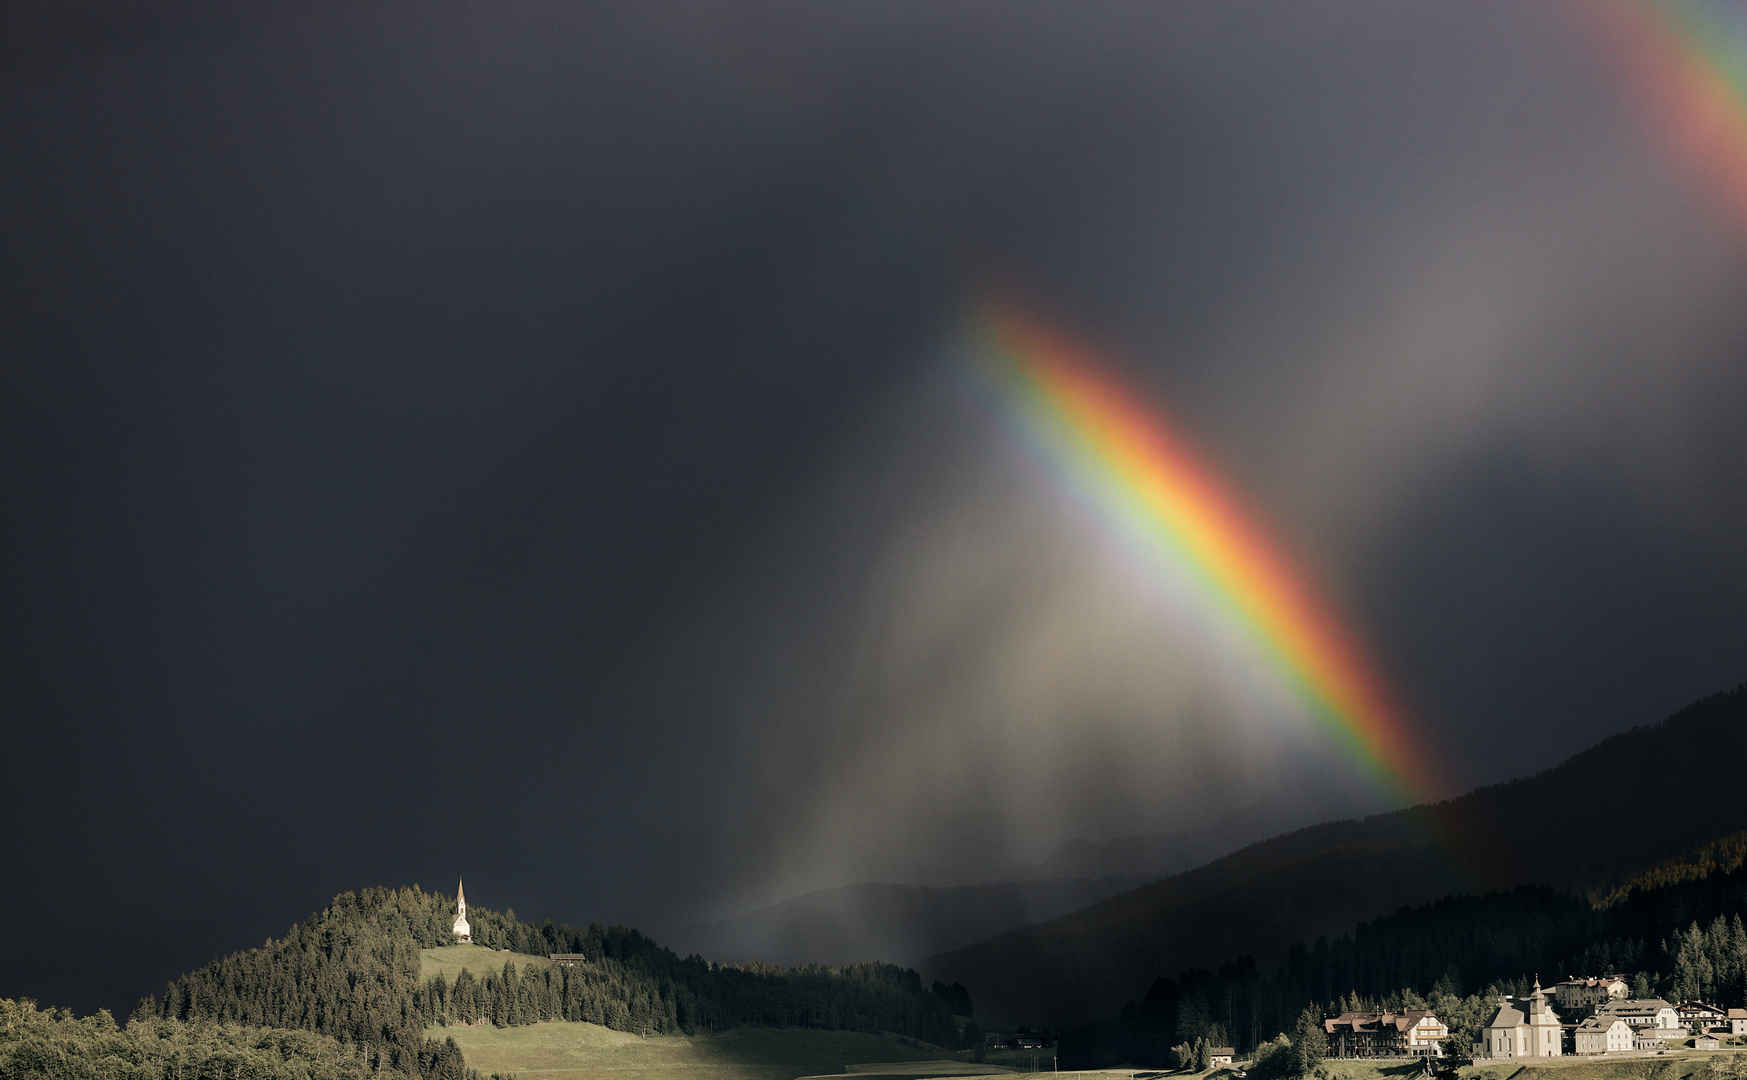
(1717, 857)
(902, 924)
(1566, 828)
(1153, 856)
(899, 924)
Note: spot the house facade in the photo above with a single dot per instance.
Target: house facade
(1699, 1017)
(1641, 1013)
(1737, 1020)
(1522, 1029)
(1645, 1038)
(1415, 1033)
(1602, 1035)
(1585, 995)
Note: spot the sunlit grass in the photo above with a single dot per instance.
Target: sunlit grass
(572, 1051)
(1671, 1066)
(450, 959)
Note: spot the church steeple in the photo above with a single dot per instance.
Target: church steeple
(463, 932)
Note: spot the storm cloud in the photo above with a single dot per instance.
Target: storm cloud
(533, 444)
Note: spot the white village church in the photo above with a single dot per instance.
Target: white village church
(463, 932)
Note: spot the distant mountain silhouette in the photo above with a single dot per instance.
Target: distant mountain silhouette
(896, 923)
(1621, 808)
(1153, 856)
(902, 924)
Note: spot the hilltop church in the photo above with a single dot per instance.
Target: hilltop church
(463, 932)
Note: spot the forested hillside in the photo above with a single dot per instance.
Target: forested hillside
(352, 971)
(53, 1043)
(1674, 932)
(1324, 879)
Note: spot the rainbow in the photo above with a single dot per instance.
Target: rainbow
(1147, 482)
(1688, 61)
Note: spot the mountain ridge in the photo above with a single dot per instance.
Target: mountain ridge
(1317, 880)
(905, 923)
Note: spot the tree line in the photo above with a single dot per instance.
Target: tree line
(54, 1042)
(1674, 934)
(689, 997)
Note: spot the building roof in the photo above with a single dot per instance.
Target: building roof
(1223, 1051)
(1376, 1021)
(1508, 1015)
(1637, 1007)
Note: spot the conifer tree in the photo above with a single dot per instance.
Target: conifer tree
(1309, 1041)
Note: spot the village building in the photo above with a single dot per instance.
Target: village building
(1645, 1013)
(1705, 1042)
(1529, 1031)
(1415, 1033)
(1737, 1021)
(1585, 995)
(1646, 1038)
(463, 932)
(567, 959)
(1222, 1055)
(1698, 1017)
(1602, 1035)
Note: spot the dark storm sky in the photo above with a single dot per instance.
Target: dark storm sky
(520, 442)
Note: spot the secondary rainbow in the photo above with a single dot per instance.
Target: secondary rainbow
(1147, 481)
(1687, 60)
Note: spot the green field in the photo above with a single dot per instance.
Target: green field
(560, 1051)
(1673, 1066)
(450, 959)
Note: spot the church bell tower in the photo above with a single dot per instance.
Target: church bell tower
(463, 932)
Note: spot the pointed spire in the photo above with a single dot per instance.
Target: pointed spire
(463, 932)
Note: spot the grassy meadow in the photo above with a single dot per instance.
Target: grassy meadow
(1671, 1066)
(559, 1051)
(574, 1051)
(450, 959)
